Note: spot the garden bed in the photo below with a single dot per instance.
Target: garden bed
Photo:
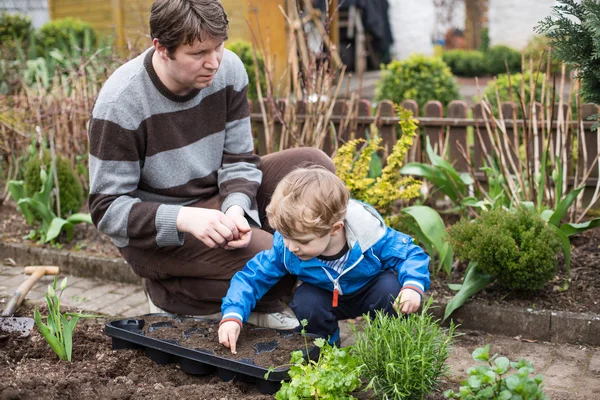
(30, 370)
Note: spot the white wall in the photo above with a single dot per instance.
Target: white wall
(415, 28)
(511, 22)
(412, 23)
(36, 9)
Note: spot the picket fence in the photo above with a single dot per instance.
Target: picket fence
(439, 126)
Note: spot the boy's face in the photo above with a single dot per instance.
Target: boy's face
(307, 245)
(193, 66)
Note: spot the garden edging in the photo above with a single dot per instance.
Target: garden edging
(527, 323)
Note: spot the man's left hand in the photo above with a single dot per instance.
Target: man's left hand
(236, 213)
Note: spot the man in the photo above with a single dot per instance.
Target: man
(173, 178)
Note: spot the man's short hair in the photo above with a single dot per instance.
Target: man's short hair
(308, 200)
(176, 22)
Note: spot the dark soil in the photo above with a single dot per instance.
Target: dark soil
(265, 347)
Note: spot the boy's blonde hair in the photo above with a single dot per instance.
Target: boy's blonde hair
(308, 200)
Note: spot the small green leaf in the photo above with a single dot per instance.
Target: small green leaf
(482, 353)
(574, 229)
(63, 284)
(502, 364)
(474, 281)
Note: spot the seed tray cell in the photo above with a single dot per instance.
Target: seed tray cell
(129, 333)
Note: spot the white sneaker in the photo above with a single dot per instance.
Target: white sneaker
(280, 320)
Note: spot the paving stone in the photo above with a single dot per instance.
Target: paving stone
(595, 363)
(97, 303)
(101, 289)
(10, 271)
(89, 284)
(127, 290)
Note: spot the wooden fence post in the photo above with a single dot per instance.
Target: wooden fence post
(414, 155)
(434, 109)
(386, 131)
(458, 135)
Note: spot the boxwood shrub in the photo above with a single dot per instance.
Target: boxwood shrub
(420, 78)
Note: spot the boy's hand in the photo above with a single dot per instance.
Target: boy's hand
(242, 240)
(408, 301)
(228, 335)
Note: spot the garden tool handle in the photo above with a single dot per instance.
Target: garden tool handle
(36, 273)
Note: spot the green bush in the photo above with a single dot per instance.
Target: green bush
(403, 357)
(498, 56)
(465, 62)
(71, 192)
(418, 78)
(244, 52)
(67, 35)
(537, 49)
(518, 248)
(484, 40)
(14, 27)
(504, 90)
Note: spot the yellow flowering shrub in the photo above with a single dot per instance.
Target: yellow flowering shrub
(352, 166)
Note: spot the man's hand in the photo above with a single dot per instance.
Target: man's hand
(228, 335)
(236, 213)
(408, 301)
(211, 227)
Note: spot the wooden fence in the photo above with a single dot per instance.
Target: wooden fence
(454, 126)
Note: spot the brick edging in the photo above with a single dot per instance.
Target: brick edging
(531, 324)
(72, 263)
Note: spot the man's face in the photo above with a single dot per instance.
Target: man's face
(193, 66)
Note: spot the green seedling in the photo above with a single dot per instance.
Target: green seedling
(334, 375)
(492, 382)
(58, 329)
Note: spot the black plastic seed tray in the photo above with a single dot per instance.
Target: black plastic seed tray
(129, 334)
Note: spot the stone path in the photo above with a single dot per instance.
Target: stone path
(570, 371)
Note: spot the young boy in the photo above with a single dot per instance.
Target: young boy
(350, 263)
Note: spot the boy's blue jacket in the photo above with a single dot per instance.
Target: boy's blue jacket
(374, 247)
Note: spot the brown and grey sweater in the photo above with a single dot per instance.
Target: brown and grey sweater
(152, 152)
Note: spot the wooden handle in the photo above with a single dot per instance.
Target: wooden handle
(22, 290)
(48, 269)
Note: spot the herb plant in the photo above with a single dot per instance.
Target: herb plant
(39, 209)
(492, 382)
(58, 329)
(334, 375)
(404, 357)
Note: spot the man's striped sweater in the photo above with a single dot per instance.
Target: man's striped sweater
(151, 152)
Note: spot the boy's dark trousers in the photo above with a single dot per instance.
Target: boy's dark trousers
(315, 304)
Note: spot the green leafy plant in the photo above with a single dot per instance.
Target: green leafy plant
(573, 34)
(59, 327)
(516, 247)
(418, 78)
(466, 62)
(354, 168)
(334, 375)
(14, 27)
(491, 380)
(404, 357)
(499, 56)
(38, 209)
(508, 88)
(70, 190)
(67, 34)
